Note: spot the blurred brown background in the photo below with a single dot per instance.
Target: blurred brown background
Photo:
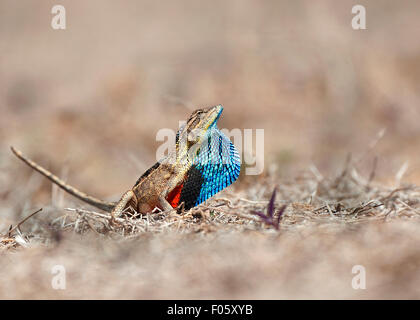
(94, 95)
(87, 102)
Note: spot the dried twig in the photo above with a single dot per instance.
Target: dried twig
(22, 221)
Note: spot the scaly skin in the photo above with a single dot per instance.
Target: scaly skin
(162, 182)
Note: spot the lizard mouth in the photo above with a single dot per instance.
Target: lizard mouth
(214, 114)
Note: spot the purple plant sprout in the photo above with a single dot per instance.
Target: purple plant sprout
(270, 218)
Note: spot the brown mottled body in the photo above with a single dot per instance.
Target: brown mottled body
(153, 187)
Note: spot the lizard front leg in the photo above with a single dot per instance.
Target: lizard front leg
(128, 199)
(165, 204)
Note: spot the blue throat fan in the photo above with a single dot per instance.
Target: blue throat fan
(215, 166)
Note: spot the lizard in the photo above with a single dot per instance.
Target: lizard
(203, 162)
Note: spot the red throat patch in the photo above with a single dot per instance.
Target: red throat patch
(174, 196)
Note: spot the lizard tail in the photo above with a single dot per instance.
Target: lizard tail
(103, 205)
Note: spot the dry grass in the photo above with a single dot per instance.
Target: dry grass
(346, 199)
(222, 250)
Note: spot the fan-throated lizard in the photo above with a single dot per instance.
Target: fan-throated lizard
(203, 162)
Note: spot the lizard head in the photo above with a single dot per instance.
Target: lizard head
(197, 125)
(202, 119)
(196, 129)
